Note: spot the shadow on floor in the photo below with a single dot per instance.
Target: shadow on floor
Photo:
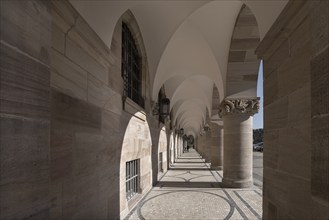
(188, 162)
(187, 169)
(162, 184)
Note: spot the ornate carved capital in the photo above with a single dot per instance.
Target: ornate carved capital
(230, 106)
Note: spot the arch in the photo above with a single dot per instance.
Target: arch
(192, 95)
(188, 108)
(191, 126)
(190, 117)
(196, 86)
(191, 133)
(137, 144)
(265, 13)
(215, 102)
(129, 19)
(194, 57)
(202, 15)
(185, 105)
(162, 148)
(243, 64)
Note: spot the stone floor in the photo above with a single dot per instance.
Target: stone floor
(190, 190)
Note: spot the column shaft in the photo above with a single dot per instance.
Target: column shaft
(217, 152)
(237, 114)
(207, 146)
(238, 151)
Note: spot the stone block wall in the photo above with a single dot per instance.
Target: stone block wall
(24, 110)
(319, 20)
(65, 136)
(108, 135)
(292, 134)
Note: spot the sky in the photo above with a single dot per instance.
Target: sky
(258, 118)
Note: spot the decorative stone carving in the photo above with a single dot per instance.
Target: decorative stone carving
(231, 106)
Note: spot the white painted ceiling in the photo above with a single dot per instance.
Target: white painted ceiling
(187, 45)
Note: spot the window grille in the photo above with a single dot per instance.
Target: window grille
(131, 67)
(132, 178)
(160, 163)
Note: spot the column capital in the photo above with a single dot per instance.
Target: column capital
(234, 106)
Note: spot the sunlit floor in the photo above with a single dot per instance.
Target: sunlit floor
(190, 190)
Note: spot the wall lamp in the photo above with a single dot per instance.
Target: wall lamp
(162, 108)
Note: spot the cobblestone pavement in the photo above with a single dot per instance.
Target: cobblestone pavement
(190, 190)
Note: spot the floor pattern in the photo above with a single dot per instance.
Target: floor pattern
(190, 190)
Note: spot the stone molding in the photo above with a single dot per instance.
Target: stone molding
(233, 106)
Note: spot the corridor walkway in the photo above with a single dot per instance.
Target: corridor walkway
(190, 190)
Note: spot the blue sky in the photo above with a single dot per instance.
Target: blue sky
(258, 118)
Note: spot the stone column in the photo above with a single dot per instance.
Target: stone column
(179, 146)
(237, 114)
(172, 148)
(207, 146)
(196, 144)
(182, 145)
(217, 143)
(175, 147)
(201, 146)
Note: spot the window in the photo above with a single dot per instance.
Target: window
(131, 67)
(160, 163)
(132, 178)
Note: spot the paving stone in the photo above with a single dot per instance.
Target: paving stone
(190, 190)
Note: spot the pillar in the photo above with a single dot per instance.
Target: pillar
(172, 148)
(207, 146)
(237, 116)
(202, 145)
(217, 142)
(176, 147)
(179, 146)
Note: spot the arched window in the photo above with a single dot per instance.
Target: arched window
(131, 67)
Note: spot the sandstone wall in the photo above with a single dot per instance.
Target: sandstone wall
(65, 135)
(295, 98)
(319, 21)
(25, 119)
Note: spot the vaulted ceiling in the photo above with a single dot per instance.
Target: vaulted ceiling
(194, 48)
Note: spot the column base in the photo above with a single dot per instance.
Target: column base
(229, 183)
(215, 167)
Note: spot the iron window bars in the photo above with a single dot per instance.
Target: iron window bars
(132, 178)
(131, 67)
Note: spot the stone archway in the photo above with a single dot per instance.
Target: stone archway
(240, 103)
(137, 145)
